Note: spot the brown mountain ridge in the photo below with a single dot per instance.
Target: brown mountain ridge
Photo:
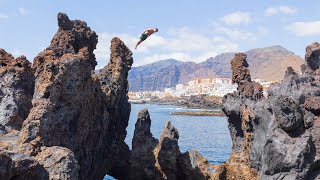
(269, 63)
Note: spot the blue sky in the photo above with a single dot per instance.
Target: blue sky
(189, 30)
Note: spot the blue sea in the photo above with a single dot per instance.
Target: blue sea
(208, 135)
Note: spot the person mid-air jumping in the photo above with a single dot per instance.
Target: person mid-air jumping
(146, 34)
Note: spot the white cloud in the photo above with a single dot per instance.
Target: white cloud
(178, 56)
(279, 10)
(235, 34)
(16, 53)
(271, 11)
(178, 47)
(103, 47)
(237, 18)
(153, 41)
(184, 44)
(287, 10)
(304, 28)
(23, 12)
(3, 16)
(185, 39)
(263, 30)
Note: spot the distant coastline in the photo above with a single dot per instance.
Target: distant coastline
(199, 113)
(196, 102)
(205, 105)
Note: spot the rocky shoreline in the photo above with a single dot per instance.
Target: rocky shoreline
(194, 102)
(63, 121)
(199, 113)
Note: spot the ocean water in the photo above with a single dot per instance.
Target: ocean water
(208, 135)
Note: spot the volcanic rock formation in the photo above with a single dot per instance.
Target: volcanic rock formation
(143, 144)
(158, 160)
(60, 120)
(275, 137)
(77, 121)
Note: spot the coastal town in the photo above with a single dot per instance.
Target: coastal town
(211, 87)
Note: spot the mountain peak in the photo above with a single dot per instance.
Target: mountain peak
(162, 63)
(268, 63)
(273, 49)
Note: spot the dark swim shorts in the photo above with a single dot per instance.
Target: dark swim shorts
(143, 37)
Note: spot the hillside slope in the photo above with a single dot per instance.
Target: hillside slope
(267, 63)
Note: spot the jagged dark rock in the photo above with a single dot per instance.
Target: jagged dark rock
(312, 59)
(312, 104)
(241, 76)
(143, 144)
(193, 166)
(153, 159)
(15, 165)
(16, 89)
(167, 152)
(76, 126)
(288, 113)
(277, 137)
(59, 162)
(2, 129)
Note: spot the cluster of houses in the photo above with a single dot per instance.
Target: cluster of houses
(212, 87)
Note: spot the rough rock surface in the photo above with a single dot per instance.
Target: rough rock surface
(312, 59)
(76, 126)
(153, 159)
(193, 166)
(59, 162)
(16, 89)
(52, 162)
(143, 144)
(241, 76)
(167, 152)
(19, 166)
(275, 137)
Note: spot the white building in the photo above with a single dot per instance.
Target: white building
(223, 89)
(225, 81)
(180, 87)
